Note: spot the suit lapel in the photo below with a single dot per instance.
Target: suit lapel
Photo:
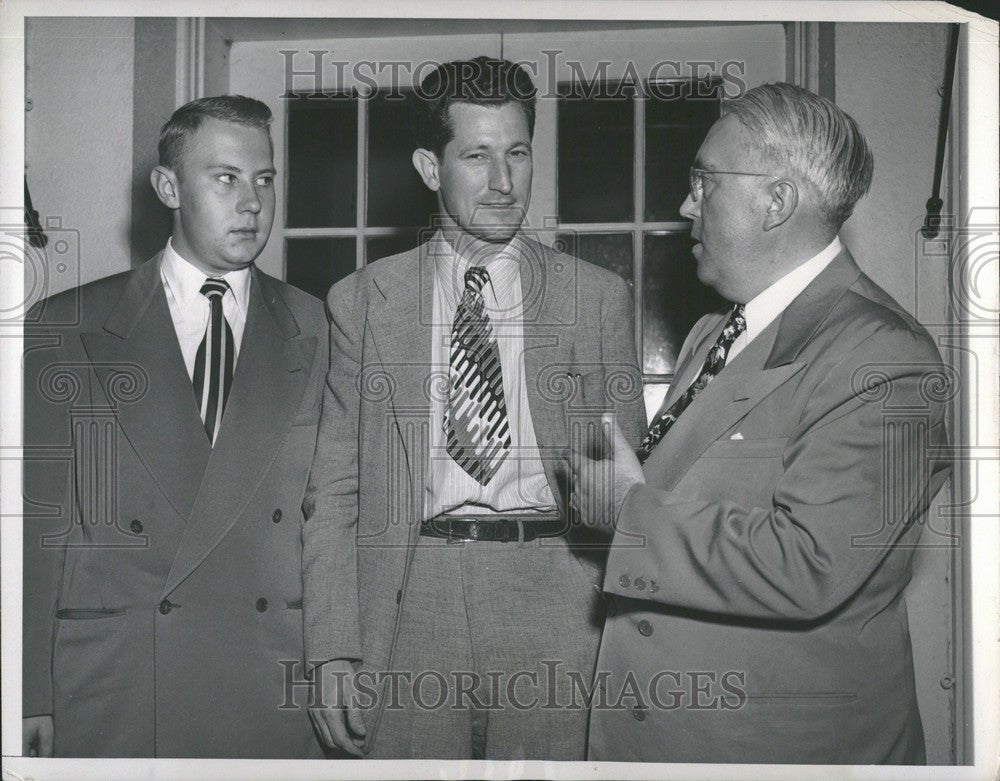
(158, 415)
(269, 382)
(763, 366)
(400, 316)
(718, 407)
(548, 302)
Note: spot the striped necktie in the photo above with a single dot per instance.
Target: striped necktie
(716, 359)
(213, 363)
(475, 415)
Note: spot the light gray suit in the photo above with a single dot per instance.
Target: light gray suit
(756, 581)
(365, 498)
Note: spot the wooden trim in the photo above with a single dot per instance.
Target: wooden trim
(810, 56)
(189, 76)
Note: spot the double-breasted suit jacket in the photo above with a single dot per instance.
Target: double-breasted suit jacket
(757, 579)
(366, 494)
(162, 581)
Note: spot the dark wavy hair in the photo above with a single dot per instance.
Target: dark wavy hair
(483, 81)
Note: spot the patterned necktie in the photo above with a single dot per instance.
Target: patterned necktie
(735, 325)
(213, 364)
(475, 415)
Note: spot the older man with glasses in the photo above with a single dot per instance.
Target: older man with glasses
(764, 535)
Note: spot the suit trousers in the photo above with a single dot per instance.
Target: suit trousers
(496, 649)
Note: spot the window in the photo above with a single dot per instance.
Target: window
(353, 195)
(623, 164)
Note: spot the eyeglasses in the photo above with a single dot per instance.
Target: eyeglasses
(697, 183)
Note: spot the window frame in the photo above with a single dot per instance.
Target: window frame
(638, 228)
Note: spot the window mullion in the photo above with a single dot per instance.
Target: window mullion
(362, 192)
(638, 197)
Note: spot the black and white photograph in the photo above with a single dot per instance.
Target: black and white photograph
(526, 390)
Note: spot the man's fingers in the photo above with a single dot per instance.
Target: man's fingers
(620, 443)
(318, 719)
(37, 736)
(331, 725)
(338, 729)
(356, 722)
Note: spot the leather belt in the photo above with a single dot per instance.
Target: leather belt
(493, 528)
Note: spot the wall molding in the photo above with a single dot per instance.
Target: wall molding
(809, 56)
(190, 68)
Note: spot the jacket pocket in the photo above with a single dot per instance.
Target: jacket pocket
(768, 447)
(88, 613)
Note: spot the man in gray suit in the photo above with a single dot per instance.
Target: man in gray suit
(756, 580)
(446, 603)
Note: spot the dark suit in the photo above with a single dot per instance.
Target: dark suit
(162, 586)
(771, 545)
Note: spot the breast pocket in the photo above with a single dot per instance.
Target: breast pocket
(744, 472)
(747, 449)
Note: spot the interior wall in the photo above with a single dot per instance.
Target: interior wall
(78, 139)
(887, 78)
(155, 97)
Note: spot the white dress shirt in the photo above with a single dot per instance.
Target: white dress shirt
(519, 485)
(761, 311)
(191, 311)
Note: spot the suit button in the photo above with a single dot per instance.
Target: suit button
(262, 605)
(624, 581)
(136, 526)
(638, 713)
(639, 584)
(165, 607)
(645, 628)
(276, 516)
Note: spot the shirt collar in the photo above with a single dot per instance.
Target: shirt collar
(761, 310)
(450, 264)
(185, 279)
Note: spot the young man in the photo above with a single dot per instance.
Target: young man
(162, 588)
(437, 555)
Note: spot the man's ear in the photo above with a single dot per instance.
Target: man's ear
(784, 202)
(426, 163)
(164, 182)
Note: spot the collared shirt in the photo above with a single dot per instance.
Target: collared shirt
(519, 485)
(762, 310)
(191, 311)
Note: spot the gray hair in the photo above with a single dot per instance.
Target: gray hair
(814, 138)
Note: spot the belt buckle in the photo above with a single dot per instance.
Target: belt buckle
(451, 535)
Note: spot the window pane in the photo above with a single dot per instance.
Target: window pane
(673, 299)
(595, 157)
(612, 251)
(314, 265)
(322, 163)
(378, 247)
(677, 121)
(396, 194)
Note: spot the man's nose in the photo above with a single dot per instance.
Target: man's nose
(690, 208)
(249, 199)
(500, 177)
